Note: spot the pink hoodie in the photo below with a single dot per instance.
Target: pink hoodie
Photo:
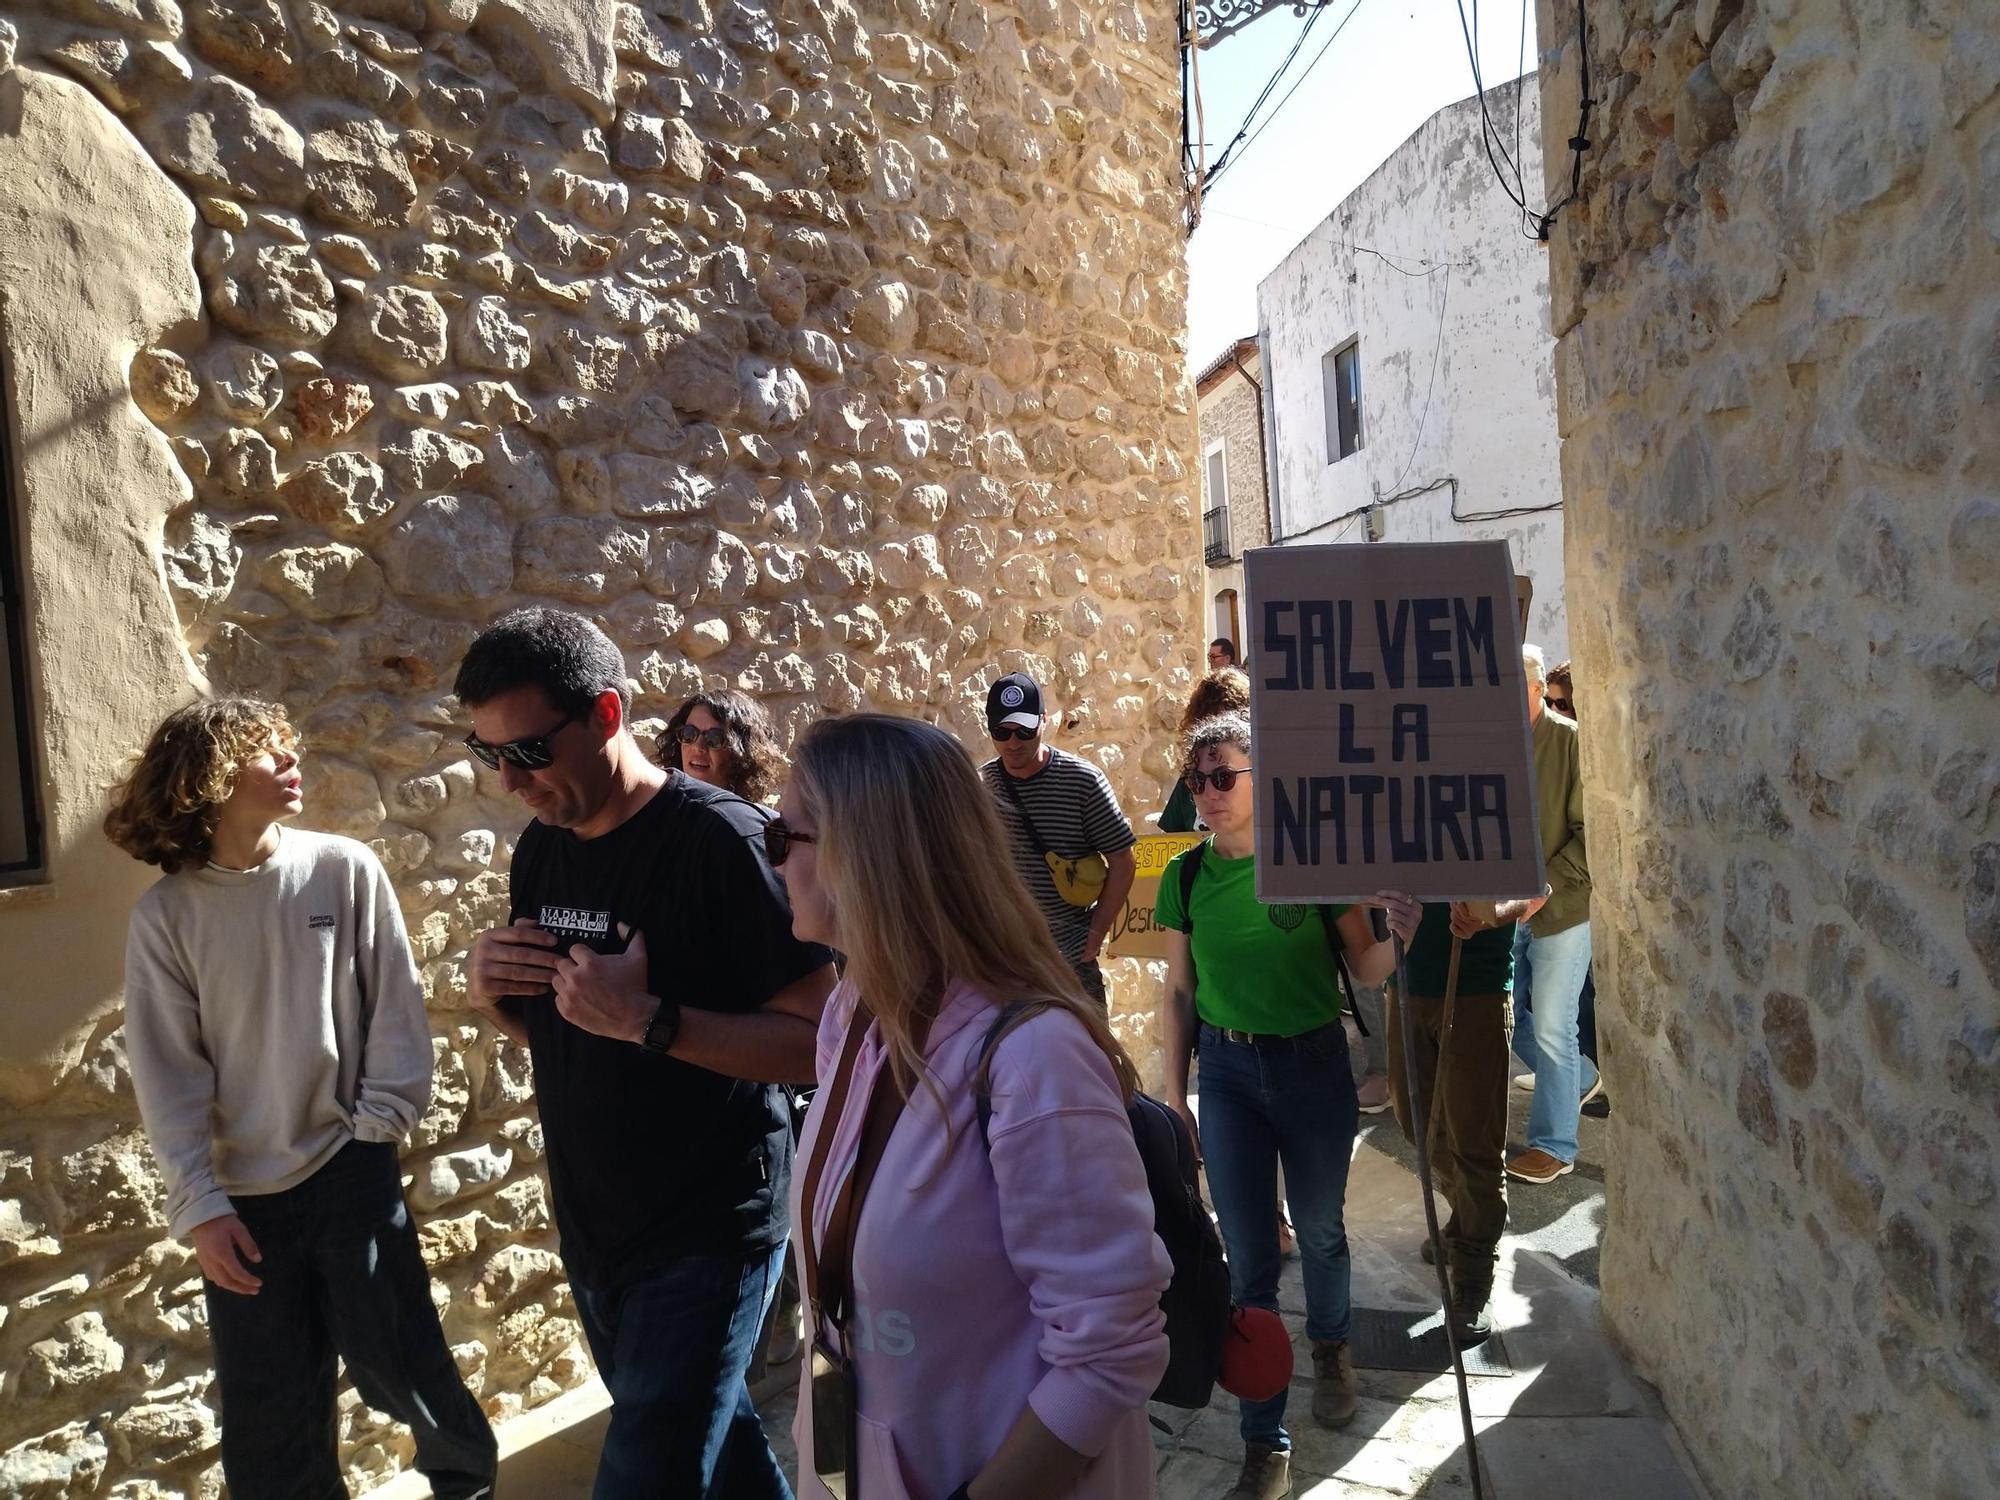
(986, 1282)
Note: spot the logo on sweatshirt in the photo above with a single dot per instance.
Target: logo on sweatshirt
(320, 924)
(576, 921)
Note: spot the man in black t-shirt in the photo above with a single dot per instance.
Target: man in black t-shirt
(650, 968)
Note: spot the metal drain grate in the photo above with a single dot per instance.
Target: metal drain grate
(1406, 1339)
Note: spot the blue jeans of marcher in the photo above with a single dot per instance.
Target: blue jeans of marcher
(1293, 1101)
(672, 1350)
(1548, 987)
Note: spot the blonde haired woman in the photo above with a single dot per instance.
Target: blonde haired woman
(985, 1304)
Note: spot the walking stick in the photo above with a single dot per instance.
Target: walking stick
(1420, 1127)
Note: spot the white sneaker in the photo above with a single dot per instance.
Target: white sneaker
(1592, 1092)
(1525, 1082)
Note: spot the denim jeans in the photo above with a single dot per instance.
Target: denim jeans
(673, 1349)
(1548, 988)
(1258, 1105)
(341, 1274)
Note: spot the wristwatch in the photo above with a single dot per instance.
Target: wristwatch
(662, 1029)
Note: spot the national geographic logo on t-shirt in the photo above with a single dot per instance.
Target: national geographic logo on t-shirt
(575, 921)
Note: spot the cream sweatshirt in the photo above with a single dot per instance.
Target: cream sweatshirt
(271, 1016)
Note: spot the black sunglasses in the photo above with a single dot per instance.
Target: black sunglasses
(709, 739)
(1560, 705)
(530, 754)
(1224, 778)
(1004, 732)
(778, 841)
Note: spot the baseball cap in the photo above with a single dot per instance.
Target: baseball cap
(1014, 699)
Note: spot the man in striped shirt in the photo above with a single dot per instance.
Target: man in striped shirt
(1060, 815)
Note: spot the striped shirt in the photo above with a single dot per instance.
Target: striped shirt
(1072, 808)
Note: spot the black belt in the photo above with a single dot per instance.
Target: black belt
(1266, 1042)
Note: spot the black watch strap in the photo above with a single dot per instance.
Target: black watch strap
(662, 1030)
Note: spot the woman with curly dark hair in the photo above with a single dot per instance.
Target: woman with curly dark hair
(726, 740)
(279, 1047)
(1223, 691)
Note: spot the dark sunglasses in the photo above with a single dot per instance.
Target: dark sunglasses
(709, 739)
(1004, 732)
(778, 841)
(531, 754)
(1224, 778)
(1560, 705)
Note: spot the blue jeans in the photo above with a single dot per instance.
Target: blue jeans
(1260, 1104)
(341, 1274)
(672, 1349)
(1548, 988)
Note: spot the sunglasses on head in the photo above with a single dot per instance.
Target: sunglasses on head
(531, 754)
(1004, 732)
(1224, 778)
(778, 841)
(709, 739)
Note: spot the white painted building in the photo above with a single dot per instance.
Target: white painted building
(1411, 383)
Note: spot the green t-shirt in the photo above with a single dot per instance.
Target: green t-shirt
(1485, 965)
(1257, 968)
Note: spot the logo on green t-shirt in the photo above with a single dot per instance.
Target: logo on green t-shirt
(1288, 918)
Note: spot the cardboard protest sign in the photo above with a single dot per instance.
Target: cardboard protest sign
(1390, 718)
(1133, 935)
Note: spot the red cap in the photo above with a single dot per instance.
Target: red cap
(1256, 1355)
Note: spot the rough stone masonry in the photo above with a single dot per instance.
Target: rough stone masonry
(830, 352)
(1778, 305)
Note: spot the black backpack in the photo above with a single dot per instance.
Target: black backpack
(1196, 1301)
(1191, 867)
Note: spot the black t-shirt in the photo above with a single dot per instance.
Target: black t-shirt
(652, 1158)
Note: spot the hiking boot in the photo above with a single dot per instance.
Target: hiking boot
(1267, 1474)
(1333, 1383)
(1536, 1165)
(1471, 1309)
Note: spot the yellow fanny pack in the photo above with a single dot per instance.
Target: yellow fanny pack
(1078, 881)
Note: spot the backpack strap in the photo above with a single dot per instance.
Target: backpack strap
(1190, 868)
(982, 1082)
(1339, 949)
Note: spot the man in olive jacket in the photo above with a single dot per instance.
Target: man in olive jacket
(1552, 947)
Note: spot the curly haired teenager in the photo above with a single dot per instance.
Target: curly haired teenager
(278, 1045)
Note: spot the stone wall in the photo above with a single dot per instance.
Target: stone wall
(831, 353)
(1779, 381)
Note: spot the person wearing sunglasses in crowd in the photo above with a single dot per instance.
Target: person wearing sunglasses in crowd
(1256, 989)
(275, 1025)
(651, 969)
(725, 739)
(1072, 846)
(988, 1295)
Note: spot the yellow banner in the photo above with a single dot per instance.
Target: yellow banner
(1133, 935)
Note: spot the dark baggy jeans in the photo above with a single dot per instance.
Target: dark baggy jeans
(1092, 974)
(673, 1349)
(342, 1275)
(1469, 1141)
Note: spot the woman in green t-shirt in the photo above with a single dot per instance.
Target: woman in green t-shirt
(1257, 989)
